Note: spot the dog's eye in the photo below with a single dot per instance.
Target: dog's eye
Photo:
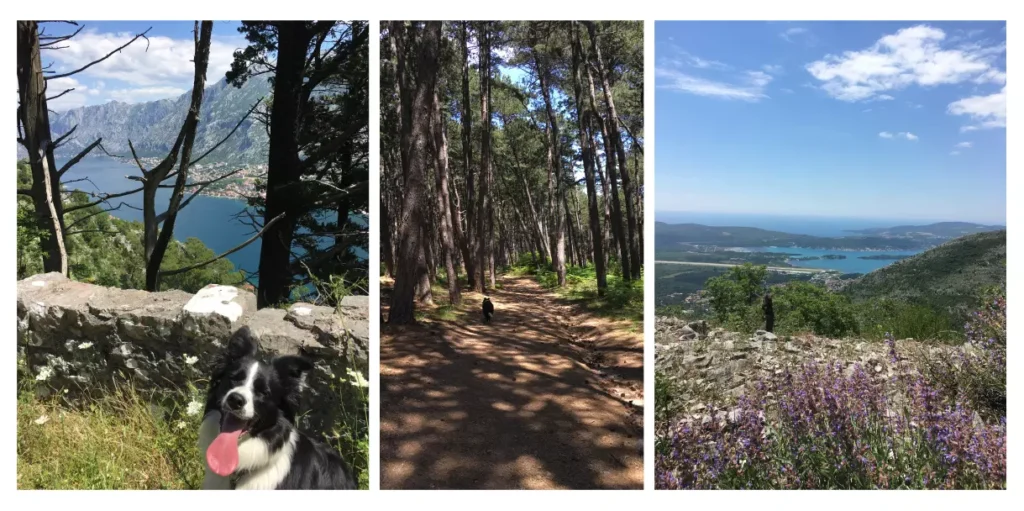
(260, 386)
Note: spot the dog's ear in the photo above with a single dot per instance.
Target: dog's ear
(291, 367)
(291, 372)
(241, 345)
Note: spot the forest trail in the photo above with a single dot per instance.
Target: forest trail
(545, 396)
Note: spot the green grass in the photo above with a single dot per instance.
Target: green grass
(622, 299)
(117, 442)
(128, 439)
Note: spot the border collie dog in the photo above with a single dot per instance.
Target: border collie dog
(248, 436)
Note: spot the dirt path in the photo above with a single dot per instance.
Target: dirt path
(541, 397)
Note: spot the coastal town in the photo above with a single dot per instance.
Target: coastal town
(241, 185)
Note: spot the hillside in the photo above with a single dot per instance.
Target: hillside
(936, 230)
(153, 126)
(949, 276)
(670, 236)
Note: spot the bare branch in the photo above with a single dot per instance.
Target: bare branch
(102, 198)
(232, 132)
(105, 57)
(61, 94)
(78, 157)
(60, 139)
(51, 40)
(255, 237)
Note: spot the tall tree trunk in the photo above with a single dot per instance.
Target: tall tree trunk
(34, 118)
(283, 168)
(583, 120)
(412, 263)
(443, 201)
(611, 196)
(484, 210)
(470, 243)
(616, 137)
(555, 188)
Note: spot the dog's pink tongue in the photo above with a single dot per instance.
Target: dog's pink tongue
(222, 455)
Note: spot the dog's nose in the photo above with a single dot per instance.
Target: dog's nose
(234, 402)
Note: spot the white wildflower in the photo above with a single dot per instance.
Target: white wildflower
(85, 345)
(42, 420)
(194, 408)
(45, 373)
(357, 378)
(191, 360)
(181, 425)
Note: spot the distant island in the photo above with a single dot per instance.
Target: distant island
(884, 257)
(818, 258)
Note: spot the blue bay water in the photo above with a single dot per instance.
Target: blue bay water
(211, 219)
(830, 227)
(849, 265)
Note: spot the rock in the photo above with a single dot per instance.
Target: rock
(687, 334)
(791, 348)
(104, 334)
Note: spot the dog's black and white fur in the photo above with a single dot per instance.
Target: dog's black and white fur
(263, 400)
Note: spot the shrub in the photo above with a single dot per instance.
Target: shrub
(802, 306)
(977, 374)
(733, 293)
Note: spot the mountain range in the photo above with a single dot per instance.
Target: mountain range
(153, 126)
(907, 237)
(936, 230)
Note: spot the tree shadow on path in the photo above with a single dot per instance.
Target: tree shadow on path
(504, 405)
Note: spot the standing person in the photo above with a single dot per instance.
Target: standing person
(769, 313)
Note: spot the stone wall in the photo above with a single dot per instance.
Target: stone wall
(75, 335)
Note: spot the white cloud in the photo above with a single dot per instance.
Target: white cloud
(954, 153)
(790, 34)
(903, 134)
(70, 100)
(772, 69)
(911, 56)
(681, 82)
(165, 60)
(787, 90)
(986, 111)
(759, 78)
(674, 73)
(965, 145)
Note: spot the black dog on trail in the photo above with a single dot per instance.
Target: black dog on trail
(488, 309)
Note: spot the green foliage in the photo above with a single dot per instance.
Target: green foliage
(802, 306)
(622, 299)
(108, 251)
(950, 277)
(977, 374)
(733, 294)
(904, 320)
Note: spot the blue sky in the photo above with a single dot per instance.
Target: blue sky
(137, 74)
(894, 120)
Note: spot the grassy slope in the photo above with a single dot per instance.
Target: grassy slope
(949, 276)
